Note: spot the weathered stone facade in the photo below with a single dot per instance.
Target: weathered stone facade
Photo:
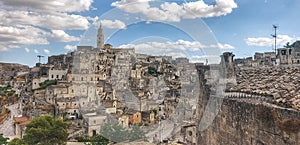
(250, 122)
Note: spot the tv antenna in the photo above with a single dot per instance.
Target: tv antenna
(40, 56)
(275, 36)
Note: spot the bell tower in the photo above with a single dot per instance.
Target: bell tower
(100, 37)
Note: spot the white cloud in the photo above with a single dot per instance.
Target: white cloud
(62, 36)
(27, 49)
(222, 46)
(174, 12)
(111, 24)
(159, 47)
(26, 22)
(70, 47)
(50, 5)
(205, 56)
(13, 37)
(46, 51)
(54, 20)
(176, 49)
(265, 41)
(210, 59)
(35, 51)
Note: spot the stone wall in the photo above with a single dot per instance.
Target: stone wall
(245, 117)
(250, 122)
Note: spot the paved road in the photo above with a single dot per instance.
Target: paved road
(7, 127)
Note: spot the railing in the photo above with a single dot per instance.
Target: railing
(241, 95)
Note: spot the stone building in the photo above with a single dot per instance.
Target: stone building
(100, 38)
(134, 117)
(20, 125)
(289, 55)
(92, 123)
(265, 59)
(227, 62)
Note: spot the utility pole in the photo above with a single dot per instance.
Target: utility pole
(40, 56)
(275, 37)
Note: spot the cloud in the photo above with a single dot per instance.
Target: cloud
(116, 24)
(61, 21)
(176, 49)
(50, 5)
(265, 41)
(174, 12)
(159, 47)
(70, 47)
(210, 59)
(222, 46)
(35, 51)
(111, 24)
(46, 51)
(27, 22)
(60, 35)
(27, 49)
(13, 37)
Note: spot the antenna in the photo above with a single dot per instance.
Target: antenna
(275, 37)
(40, 56)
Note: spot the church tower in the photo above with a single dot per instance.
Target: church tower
(100, 38)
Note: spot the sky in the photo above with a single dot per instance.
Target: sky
(197, 29)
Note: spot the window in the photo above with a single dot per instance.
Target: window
(91, 78)
(81, 78)
(57, 76)
(52, 76)
(73, 78)
(95, 121)
(283, 52)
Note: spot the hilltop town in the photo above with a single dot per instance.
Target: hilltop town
(165, 97)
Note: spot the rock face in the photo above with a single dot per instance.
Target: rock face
(246, 119)
(280, 82)
(253, 123)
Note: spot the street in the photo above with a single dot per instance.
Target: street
(7, 127)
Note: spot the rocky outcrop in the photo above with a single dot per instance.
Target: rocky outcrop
(251, 123)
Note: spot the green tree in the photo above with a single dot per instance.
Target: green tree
(3, 140)
(136, 134)
(296, 44)
(16, 141)
(114, 132)
(46, 130)
(98, 140)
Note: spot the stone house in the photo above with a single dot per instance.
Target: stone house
(92, 123)
(20, 125)
(134, 116)
(288, 55)
(124, 121)
(36, 82)
(148, 116)
(55, 74)
(190, 134)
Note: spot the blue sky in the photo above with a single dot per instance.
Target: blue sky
(192, 28)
